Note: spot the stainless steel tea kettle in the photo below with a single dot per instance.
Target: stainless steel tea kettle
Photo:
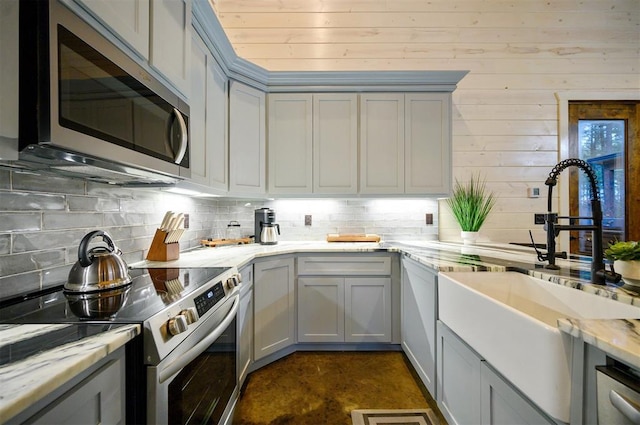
(268, 235)
(99, 268)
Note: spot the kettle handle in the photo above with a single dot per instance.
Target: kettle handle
(278, 227)
(83, 256)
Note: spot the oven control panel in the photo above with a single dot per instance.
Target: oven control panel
(205, 301)
(171, 326)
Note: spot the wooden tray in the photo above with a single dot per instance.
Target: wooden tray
(352, 237)
(220, 242)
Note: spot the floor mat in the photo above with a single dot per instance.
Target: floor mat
(395, 417)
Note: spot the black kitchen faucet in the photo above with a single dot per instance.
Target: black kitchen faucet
(599, 274)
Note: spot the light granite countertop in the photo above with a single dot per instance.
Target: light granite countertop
(30, 379)
(619, 338)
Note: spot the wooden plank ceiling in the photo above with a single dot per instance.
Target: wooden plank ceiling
(481, 35)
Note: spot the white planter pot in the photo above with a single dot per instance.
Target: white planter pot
(469, 238)
(630, 271)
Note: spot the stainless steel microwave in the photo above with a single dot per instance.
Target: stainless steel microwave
(88, 110)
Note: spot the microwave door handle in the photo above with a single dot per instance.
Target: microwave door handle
(628, 408)
(182, 149)
(182, 361)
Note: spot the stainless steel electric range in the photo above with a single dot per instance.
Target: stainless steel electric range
(183, 366)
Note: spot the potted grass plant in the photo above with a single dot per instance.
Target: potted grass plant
(470, 204)
(626, 260)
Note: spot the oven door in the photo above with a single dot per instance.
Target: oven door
(197, 382)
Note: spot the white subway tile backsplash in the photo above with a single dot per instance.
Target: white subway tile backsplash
(41, 226)
(47, 184)
(27, 201)
(20, 222)
(71, 220)
(30, 261)
(20, 283)
(5, 244)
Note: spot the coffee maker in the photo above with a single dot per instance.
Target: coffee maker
(265, 218)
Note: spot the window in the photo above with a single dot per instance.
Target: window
(605, 135)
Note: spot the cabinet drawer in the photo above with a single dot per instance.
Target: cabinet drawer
(344, 265)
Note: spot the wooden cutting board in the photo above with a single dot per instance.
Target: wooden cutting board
(352, 237)
(220, 242)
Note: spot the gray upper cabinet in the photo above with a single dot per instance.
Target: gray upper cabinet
(129, 20)
(427, 143)
(382, 143)
(335, 143)
(247, 140)
(208, 119)
(290, 143)
(313, 143)
(405, 143)
(400, 143)
(158, 31)
(217, 125)
(170, 41)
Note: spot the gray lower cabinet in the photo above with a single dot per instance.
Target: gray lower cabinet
(418, 320)
(245, 324)
(274, 306)
(502, 404)
(458, 379)
(344, 299)
(470, 391)
(97, 399)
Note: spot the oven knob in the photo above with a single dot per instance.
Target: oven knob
(234, 281)
(177, 324)
(191, 314)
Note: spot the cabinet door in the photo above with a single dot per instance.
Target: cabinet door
(274, 306)
(320, 309)
(290, 143)
(100, 398)
(367, 309)
(502, 404)
(381, 143)
(170, 40)
(335, 143)
(245, 327)
(247, 146)
(216, 126)
(418, 323)
(198, 146)
(427, 163)
(245, 323)
(129, 20)
(458, 379)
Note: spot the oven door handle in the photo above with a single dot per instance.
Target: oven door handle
(200, 347)
(628, 408)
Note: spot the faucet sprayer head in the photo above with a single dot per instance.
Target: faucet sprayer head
(584, 166)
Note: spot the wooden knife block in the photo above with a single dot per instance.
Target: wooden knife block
(161, 251)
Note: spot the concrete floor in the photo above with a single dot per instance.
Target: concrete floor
(316, 388)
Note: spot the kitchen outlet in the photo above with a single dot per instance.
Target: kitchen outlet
(307, 220)
(428, 218)
(538, 218)
(186, 221)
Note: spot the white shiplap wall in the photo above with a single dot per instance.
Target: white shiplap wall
(519, 53)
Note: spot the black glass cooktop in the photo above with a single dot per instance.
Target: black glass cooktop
(151, 291)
